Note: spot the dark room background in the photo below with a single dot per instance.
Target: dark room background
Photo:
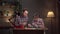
(42, 7)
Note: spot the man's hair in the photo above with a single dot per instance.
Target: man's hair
(24, 10)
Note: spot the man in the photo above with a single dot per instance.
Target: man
(24, 17)
(20, 20)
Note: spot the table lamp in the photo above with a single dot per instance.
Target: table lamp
(50, 14)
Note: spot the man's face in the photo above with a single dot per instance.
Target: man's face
(25, 13)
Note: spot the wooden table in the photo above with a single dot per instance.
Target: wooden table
(29, 31)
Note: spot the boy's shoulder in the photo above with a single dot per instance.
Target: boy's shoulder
(40, 19)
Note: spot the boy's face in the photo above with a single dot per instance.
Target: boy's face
(36, 16)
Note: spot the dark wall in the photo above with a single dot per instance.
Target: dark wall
(59, 14)
(34, 6)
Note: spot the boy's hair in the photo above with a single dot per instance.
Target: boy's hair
(37, 15)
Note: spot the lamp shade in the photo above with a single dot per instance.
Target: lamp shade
(50, 14)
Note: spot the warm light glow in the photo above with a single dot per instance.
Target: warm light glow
(8, 14)
(7, 20)
(5, 15)
(50, 14)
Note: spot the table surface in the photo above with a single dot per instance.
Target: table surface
(30, 29)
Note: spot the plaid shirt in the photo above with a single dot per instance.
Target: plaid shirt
(38, 23)
(21, 20)
(24, 20)
(18, 20)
